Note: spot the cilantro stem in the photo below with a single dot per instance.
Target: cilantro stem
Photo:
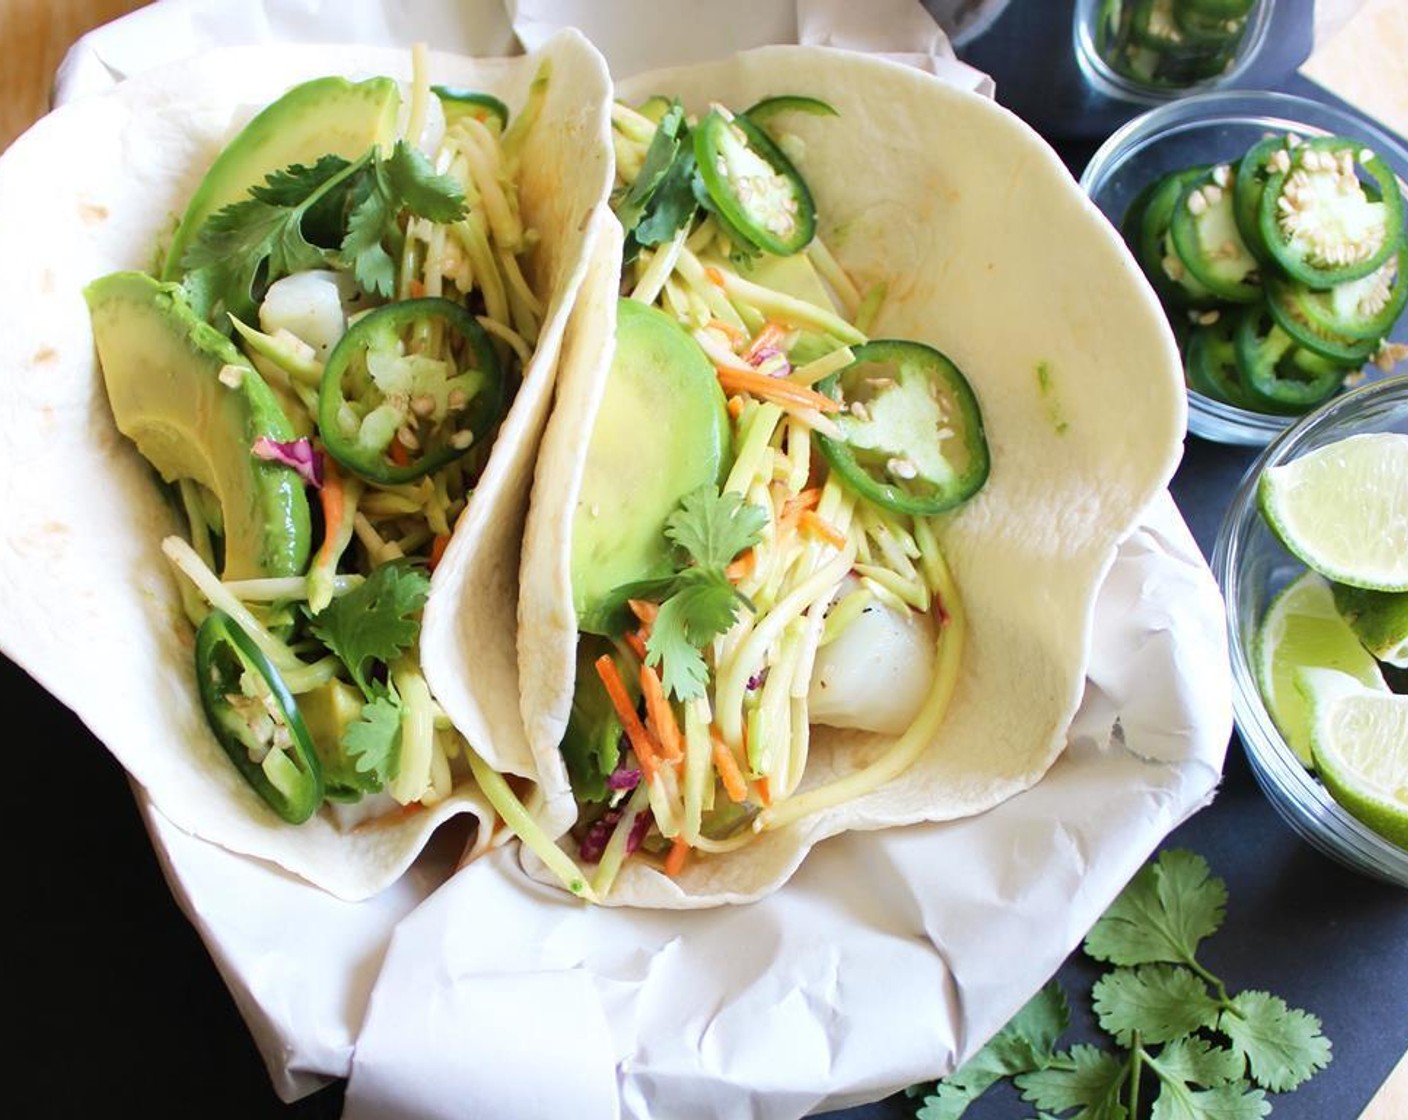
(1136, 1070)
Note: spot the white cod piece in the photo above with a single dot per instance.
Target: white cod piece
(312, 306)
(876, 673)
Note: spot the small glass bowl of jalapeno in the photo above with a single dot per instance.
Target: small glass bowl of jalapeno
(1153, 50)
(1274, 230)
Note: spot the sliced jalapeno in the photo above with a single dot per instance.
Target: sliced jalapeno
(1290, 316)
(256, 719)
(409, 388)
(913, 439)
(1210, 362)
(1364, 309)
(1248, 184)
(1154, 250)
(1320, 222)
(1203, 232)
(1278, 375)
(459, 103)
(752, 186)
(762, 111)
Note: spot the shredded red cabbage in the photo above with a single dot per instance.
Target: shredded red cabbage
(623, 777)
(297, 454)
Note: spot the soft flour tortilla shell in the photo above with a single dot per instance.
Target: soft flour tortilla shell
(994, 256)
(88, 605)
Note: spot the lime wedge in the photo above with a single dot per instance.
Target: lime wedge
(1380, 618)
(1359, 737)
(1302, 629)
(1343, 509)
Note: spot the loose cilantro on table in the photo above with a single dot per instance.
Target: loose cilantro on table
(699, 603)
(1210, 1055)
(334, 212)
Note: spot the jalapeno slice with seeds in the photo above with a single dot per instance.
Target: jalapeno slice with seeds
(1210, 362)
(752, 186)
(256, 720)
(1278, 375)
(458, 103)
(1204, 234)
(913, 439)
(410, 387)
(1359, 309)
(1321, 223)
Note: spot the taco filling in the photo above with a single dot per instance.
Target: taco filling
(319, 371)
(755, 548)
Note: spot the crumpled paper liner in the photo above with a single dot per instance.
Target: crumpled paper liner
(887, 959)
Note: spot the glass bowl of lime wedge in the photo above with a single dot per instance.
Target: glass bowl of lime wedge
(1312, 559)
(1271, 228)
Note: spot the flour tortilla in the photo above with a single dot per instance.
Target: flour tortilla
(993, 255)
(88, 605)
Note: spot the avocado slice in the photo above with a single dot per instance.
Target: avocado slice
(163, 370)
(325, 116)
(662, 432)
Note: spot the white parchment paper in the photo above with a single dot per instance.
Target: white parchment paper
(890, 956)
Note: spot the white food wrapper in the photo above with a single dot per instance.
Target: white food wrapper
(888, 958)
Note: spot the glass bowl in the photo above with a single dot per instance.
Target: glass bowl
(1113, 61)
(1251, 566)
(1219, 127)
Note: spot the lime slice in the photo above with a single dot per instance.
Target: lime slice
(1380, 618)
(1359, 737)
(1302, 629)
(1343, 509)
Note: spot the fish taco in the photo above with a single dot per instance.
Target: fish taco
(856, 407)
(290, 328)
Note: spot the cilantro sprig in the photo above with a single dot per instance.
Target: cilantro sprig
(368, 628)
(336, 212)
(698, 603)
(1211, 1055)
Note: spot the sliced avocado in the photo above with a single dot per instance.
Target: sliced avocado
(325, 116)
(194, 407)
(328, 711)
(662, 431)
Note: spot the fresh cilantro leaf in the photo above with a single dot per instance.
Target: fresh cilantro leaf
(255, 241)
(405, 180)
(1158, 1002)
(1283, 1045)
(412, 179)
(673, 206)
(714, 528)
(946, 1102)
(1197, 1061)
(1086, 1078)
(1026, 1043)
(1236, 1101)
(1162, 915)
(374, 741)
(376, 621)
(660, 157)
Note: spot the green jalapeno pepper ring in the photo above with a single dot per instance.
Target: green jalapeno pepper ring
(289, 780)
(742, 206)
(448, 438)
(1278, 375)
(891, 477)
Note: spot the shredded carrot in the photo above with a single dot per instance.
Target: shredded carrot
(714, 275)
(735, 406)
(398, 453)
(728, 770)
(661, 715)
(764, 791)
(743, 567)
(636, 642)
(679, 853)
(416, 289)
(644, 610)
(437, 549)
(777, 389)
(734, 335)
(810, 522)
(806, 499)
(333, 499)
(626, 712)
(769, 337)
